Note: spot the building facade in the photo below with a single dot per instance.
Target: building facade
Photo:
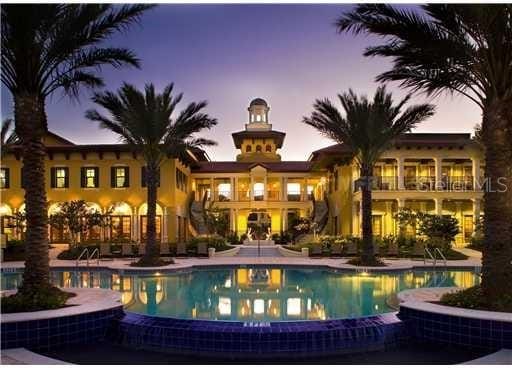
(435, 173)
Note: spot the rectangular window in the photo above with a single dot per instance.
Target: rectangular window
(90, 177)
(293, 191)
(144, 224)
(120, 227)
(120, 177)
(181, 180)
(60, 177)
(4, 178)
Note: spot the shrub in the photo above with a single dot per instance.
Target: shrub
(357, 261)
(50, 298)
(233, 238)
(215, 241)
(74, 252)
(283, 238)
(473, 298)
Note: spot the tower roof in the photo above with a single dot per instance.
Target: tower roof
(258, 102)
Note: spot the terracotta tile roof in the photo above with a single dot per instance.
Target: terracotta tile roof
(406, 140)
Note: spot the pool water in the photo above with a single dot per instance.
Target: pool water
(257, 294)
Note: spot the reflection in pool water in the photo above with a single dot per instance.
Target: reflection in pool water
(257, 294)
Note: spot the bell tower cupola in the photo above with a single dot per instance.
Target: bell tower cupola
(258, 115)
(258, 142)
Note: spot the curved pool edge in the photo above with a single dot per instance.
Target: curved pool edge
(259, 340)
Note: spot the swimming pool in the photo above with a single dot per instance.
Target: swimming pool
(260, 294)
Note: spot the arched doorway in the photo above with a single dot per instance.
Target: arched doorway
(120, 224)
(58, 232)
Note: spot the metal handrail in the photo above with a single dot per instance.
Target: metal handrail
(432, 258)
(96, 252)
(441, 254)
(85, 251)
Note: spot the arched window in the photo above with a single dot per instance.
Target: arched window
(268, 148)
(248, 148)
(258, 148)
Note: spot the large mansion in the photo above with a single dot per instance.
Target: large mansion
(436, 173)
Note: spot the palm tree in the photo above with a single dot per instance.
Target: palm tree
(368, 128)
(48, 48)
(463, 49)
(143, 120)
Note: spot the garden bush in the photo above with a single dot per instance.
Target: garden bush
(215, 241)
(50, 298)
(473, 298)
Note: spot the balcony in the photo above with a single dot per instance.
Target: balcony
(222, 196)
(273, 195)
(380, 183)
(421, 183)
(456, 183)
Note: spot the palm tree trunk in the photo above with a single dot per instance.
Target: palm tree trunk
(497, 252)
(152, 249)
(31, 126)
(367, 256)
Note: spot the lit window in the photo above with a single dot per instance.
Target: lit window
(258, 117)
(4, 178)
(224, 190)
(89, 177)
(293, 306)
(293, 188)
(268, 148)
(60, 177)
(248, 148)
(259, 190)
(258, 148)
(120, 177)
(259, 306)
(225, 306)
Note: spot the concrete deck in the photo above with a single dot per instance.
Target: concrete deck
(24, 356)
(336, 263)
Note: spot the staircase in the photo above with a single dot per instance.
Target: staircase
(197, 216)
(320, 216)
(265, 251)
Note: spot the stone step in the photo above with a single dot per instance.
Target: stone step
(253, 252)
(254, 243)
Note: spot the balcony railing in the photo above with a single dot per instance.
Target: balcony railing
(380, 183)
(222, 196)
(456, 183)
(273, 195)
(420, 183)
(244, 195)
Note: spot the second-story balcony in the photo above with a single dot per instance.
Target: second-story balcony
(380, 183)
(420, 183)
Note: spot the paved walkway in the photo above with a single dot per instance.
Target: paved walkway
(24, 356)
(181, 263)
(251, 251)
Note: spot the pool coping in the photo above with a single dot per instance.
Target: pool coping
(182, 264)
(412, 298)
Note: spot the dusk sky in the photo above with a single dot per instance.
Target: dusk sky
(229, 54)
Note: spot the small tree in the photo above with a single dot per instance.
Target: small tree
(406, 217)
(77, 217)
(440, 230)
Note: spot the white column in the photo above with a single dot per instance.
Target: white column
(438, 206)
(251, 189)
(284, 189)
(305, 190)
(400, 173)
(476, 173)
(438, 162)
(476, 210)
(232, 219)
(165, 221)
(285, 219)
(212, 190)
(235, 189)
(135, 225)
(265, 190)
